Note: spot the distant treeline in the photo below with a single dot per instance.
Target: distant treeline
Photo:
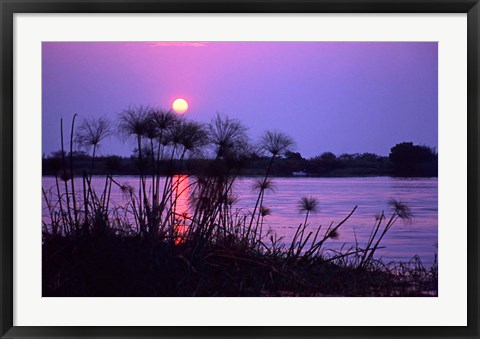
(405, 159)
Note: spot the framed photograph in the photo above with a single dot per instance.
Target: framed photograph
(230, 169)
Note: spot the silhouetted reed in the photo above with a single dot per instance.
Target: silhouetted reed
(149, 247)
(275, 143)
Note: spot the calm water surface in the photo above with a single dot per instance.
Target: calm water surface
(337, 197)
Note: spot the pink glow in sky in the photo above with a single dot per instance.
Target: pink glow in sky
(336, 96)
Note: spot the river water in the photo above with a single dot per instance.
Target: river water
(337, 197)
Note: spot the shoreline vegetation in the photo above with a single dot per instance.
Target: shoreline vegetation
(402, 162)
(92, 246)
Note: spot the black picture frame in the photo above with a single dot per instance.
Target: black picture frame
(9, 7)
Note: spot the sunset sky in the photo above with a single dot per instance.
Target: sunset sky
(337, 96)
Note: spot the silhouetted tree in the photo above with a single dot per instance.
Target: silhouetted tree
(322, 164)
(329, 160)
(293, 155)
(413, 160)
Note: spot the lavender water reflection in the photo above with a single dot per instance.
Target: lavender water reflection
(337, 197)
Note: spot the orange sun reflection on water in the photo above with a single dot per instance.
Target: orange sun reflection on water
(180, 208)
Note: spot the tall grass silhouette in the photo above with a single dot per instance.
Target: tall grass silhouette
(147, 246)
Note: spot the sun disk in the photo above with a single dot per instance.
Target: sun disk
(180, 105)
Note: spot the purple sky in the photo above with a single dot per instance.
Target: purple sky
(336, 96)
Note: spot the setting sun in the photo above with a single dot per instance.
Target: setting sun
(180, 105)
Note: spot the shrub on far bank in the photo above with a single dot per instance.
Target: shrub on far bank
(411, 160)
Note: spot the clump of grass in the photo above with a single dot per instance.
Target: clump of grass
(148, 247)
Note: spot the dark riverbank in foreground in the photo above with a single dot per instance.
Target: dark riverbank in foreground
(121, 266)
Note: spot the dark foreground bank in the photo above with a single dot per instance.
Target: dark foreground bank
(124, 266)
